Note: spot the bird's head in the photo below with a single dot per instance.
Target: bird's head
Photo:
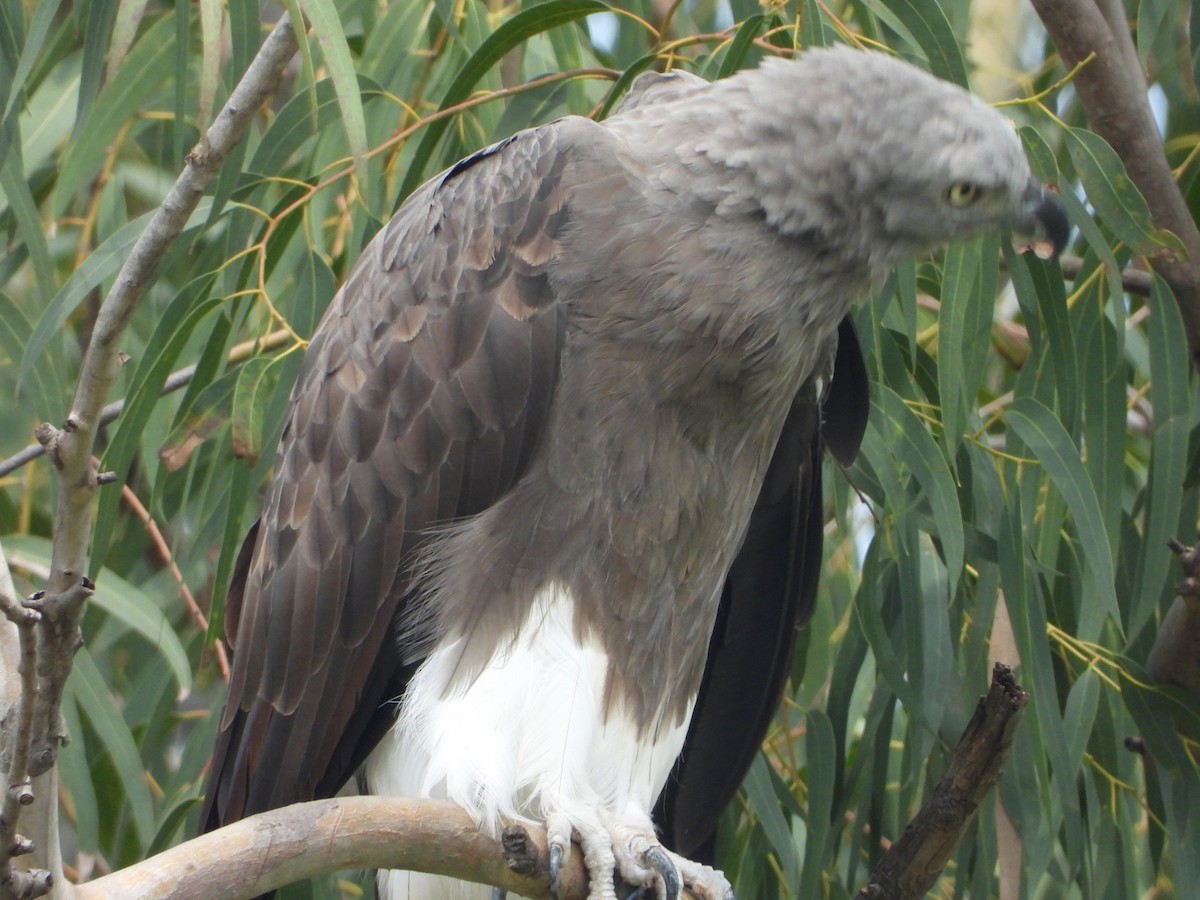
(953, 168)
(878, 158)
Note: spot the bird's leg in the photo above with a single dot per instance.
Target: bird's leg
(499, 894)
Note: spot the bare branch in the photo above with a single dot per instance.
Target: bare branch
(282, 846)
(75, 441)
(60, 607)
(912, 864)
(16, 739)
(26, 455)
(75, 508)
(1112, 89)
(26, 884)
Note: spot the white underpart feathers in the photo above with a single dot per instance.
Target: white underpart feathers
(526, 739)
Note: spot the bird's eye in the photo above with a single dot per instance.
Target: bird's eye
(963, 194)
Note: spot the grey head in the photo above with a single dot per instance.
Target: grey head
(863, 153)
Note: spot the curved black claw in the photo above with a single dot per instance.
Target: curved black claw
(556, 859)
(657, 859)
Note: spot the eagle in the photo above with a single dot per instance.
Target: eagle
(546, 510)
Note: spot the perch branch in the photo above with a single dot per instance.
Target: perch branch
(285, 845)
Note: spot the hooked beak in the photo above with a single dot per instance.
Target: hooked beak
(1043, 218)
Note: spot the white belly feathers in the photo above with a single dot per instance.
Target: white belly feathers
(527, 738)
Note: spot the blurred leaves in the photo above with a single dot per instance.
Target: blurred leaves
(1027, 455)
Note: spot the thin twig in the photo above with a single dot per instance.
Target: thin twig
(165, 554)
(1133, 281)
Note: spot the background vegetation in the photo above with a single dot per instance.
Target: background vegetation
(1031, 448)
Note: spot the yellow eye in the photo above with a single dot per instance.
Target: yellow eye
(963, 194)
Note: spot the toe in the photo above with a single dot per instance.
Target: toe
(600, 863)
(704, 881)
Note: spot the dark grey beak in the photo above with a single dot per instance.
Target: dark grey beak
(1043, 217)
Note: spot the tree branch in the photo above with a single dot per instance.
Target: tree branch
(60, 607)
(18, 699)
(911, 866)
(1112, 89)
(269, 850)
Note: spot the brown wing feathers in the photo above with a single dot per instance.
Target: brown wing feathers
(420, 400)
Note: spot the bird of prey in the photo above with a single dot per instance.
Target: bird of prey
(546, 509)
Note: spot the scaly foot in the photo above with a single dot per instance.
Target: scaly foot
(627, 847)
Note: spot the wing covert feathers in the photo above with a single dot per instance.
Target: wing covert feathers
(420, 399)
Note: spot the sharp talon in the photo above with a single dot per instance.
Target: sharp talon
(559, 830)
(657, 859)
(556, 861)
